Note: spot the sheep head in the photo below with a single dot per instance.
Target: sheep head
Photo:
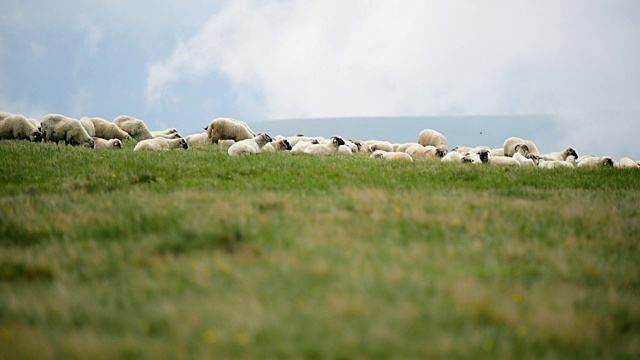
(337, 141)
(571, 152)
(184, 144)
(484, 156)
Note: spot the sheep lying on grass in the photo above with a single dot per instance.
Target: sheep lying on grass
(325, 149)
(426, 152)
(198, 139)
(595, 162)
(277, 145)
(87, 124)
(300, 146)
(100, 143)
(626, 162)
(433, 138)
(393, 155)
(249, 146)
(509, 147)
(15, 126)
(485, 158)
(560, 156)
(56, 128)
(161, 144)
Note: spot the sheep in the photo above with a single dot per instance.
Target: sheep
(56, 128)
(100, 143)
(136, 128)
(161, 144)
(302, 145)
(344, 150)
(628, 163)
(520, 156)
(87, 124)
(560, 156)
(379, 145)
(425, 152)
(405, 146)
(293, 140)
(164, 132)
(462, 149)
(107, 130)
(595, 162)
(229, 129)
(433, 138)
(453, 156)
(391, 155)
(168, 136)
(570, 162)
(225, 144)
(35, 123)
(15, 126)
(198, 139)
(325, 149)
(509, 146)
(277, 145)
(4, 115)
(485, 158)
(249, 146)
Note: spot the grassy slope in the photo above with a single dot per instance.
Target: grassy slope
(194, 254)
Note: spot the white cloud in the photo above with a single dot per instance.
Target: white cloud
(335, 58)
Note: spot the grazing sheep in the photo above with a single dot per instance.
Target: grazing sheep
(393, 155)
(433, 138)
(100, 143)
(249, 146)
(325, 149)
(560, 156)
(595, 162)
(88, 125)
(136, 128)
(15, 126)
(229, 129)
(300, 146)
(485, 158)
(277, 145)
(453, 156)
(198, 139)
(35, 123)
(161, 144)
(4, 115)
(56, 128)
(628, 163)
(509, 147)
(107, 130)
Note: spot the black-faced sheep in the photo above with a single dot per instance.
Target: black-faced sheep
(628, 163)
(249, 146)
(560, 156)
(228, 129)
(393, 155)
(277, 145)
(15, 126)
(56, 128)
(485, 158)
(161, 144)
(325, 149)
(107, 130)
(433, 138)
(136, 128)
(595, 162)
(509, 147)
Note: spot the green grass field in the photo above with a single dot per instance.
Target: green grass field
(193, 254)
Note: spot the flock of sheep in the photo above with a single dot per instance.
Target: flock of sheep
(238, 138)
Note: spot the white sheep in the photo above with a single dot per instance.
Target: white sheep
(164, 132)
(174, 135)
(560, 156)
(225, 144)
(453, 156)
(201, 139)
(229, 129)
(594, 162)
(462, 149)
(433, 138)
(509, 146)
(325, 149)
(249, 146)
(405, 146)
(277, 145)
(161, 144)
(300, 146)
(35, 123)
(56, 128)
(393, 155)
(107, 130)
(626, 162)
(293, 140)
(136, 128)
(425, 152)
(570, 163)
(15, 126)
(374, 145)
(485, 158)
(520, 156)
(100, 143)
(87, 124)
(344, 150)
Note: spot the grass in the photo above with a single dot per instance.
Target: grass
(193, 254)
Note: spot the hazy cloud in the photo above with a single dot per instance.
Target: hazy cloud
(359, 58)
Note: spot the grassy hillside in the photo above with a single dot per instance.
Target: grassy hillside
(193, 254)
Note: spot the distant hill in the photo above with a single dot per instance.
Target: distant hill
(459, 130)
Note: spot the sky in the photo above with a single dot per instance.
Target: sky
(183, 63)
